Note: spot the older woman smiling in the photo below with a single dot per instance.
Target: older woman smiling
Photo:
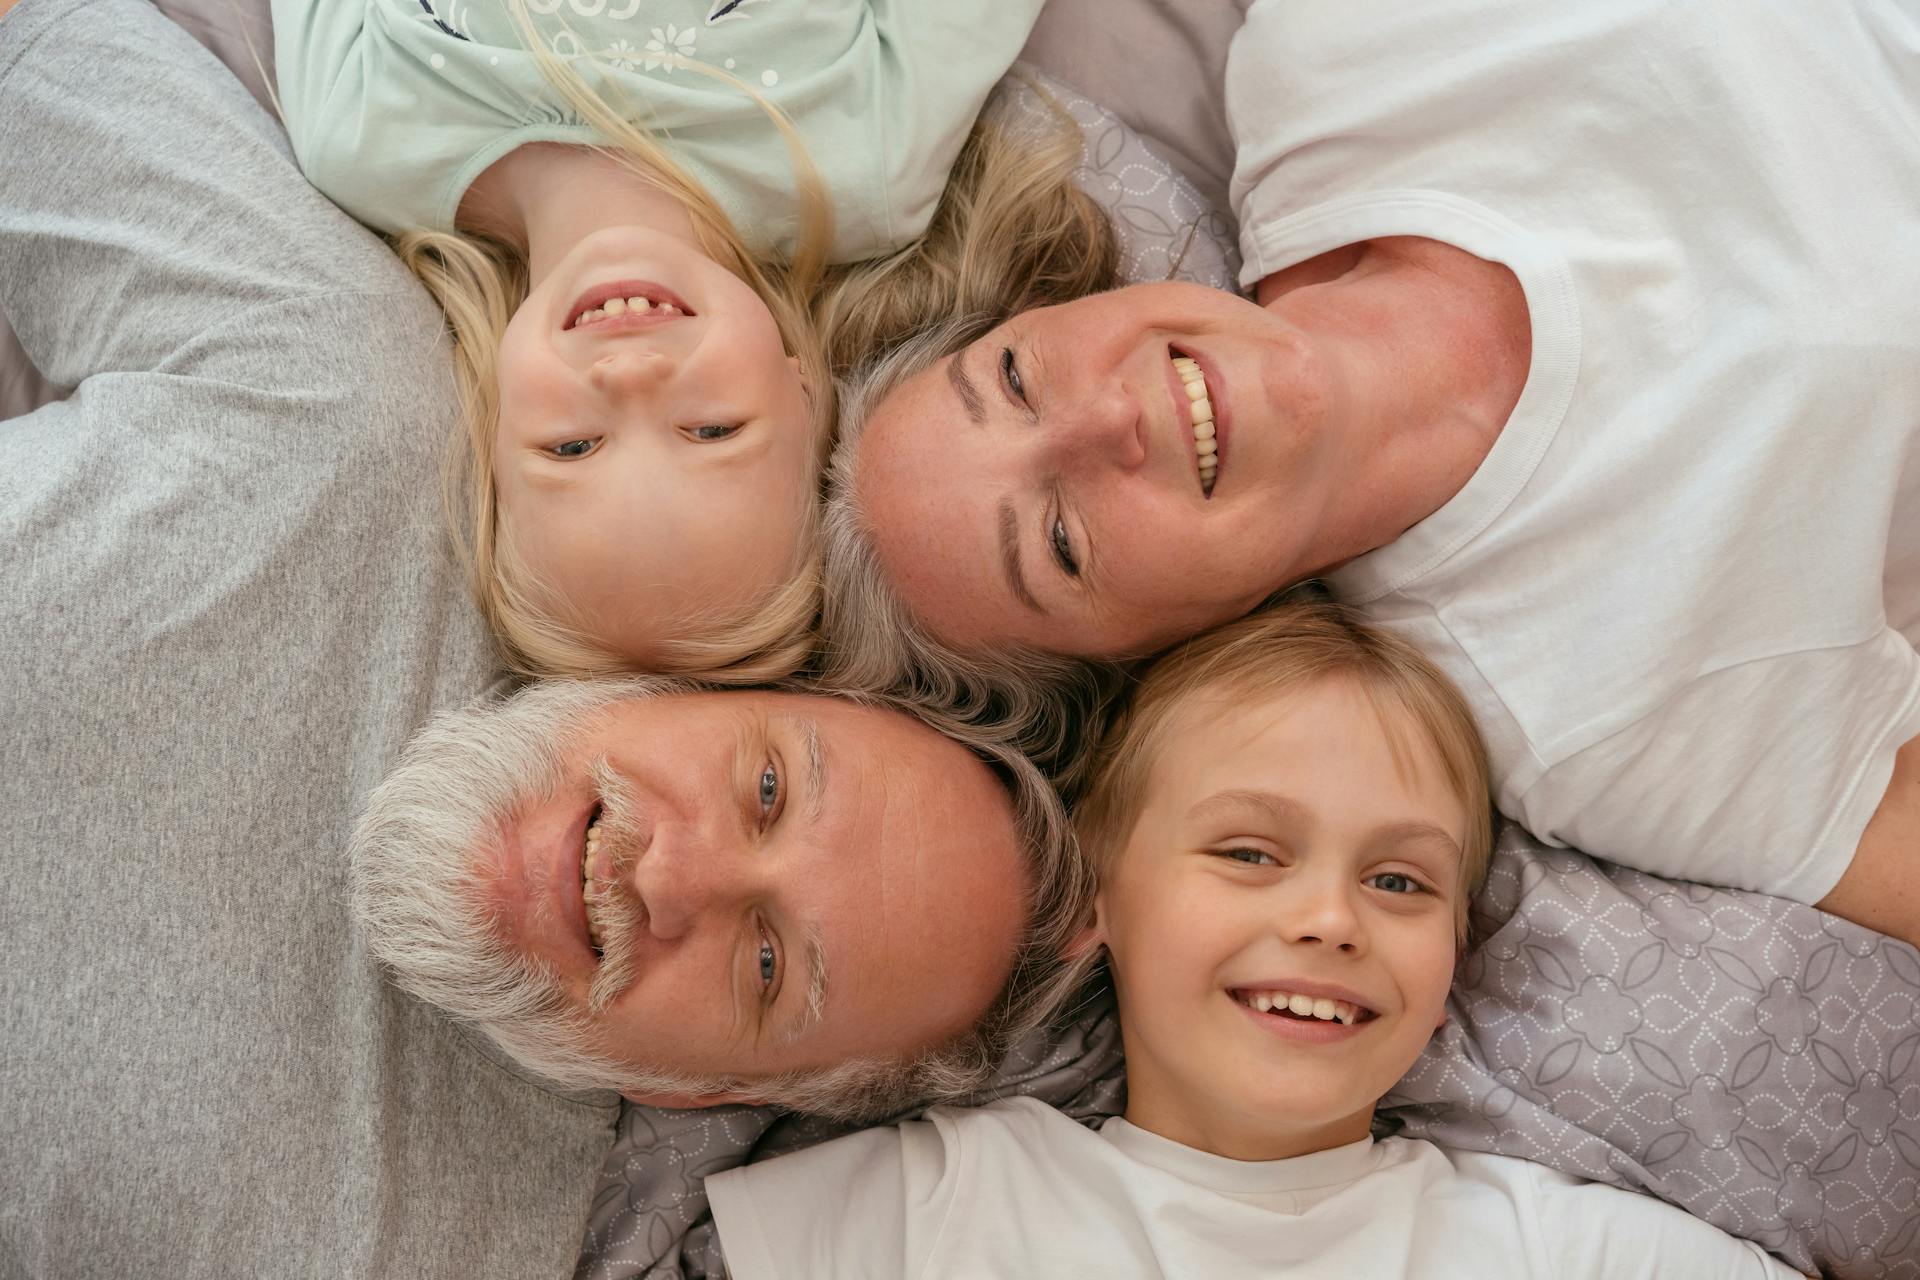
(1627, 452)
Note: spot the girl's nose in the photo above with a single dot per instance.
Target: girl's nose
(623, 373)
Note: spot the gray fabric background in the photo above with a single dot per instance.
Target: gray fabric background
(225, 603)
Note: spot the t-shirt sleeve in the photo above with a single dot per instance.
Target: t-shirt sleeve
(1591, 1229)
(149, 202)
(843, 1208)
(939, 63)
(1762, 776)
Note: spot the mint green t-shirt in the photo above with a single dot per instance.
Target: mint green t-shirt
(396, 106)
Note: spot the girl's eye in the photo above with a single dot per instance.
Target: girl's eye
(712, 432)
(1011, 374)
(574, 448)
(769, 792)
(1062, 547)
(769, 965)
(1394, 882)
(1249, 857)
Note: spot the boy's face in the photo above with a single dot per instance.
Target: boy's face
(1281, 848)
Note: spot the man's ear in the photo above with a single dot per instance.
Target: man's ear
(691, 1101)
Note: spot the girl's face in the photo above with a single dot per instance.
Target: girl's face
(1286, 855)
(654, 461)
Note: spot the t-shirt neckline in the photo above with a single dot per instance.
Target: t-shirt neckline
(1552, 310)
(1334, 1167)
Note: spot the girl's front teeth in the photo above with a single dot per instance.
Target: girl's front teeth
(1203, 430)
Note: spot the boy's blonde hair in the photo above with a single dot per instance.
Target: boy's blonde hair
(1301, 641)
(480, 281)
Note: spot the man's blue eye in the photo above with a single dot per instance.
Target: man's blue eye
(573, 448)
(1394, 882)
(767, 964)
(714, 431)
(769, 788)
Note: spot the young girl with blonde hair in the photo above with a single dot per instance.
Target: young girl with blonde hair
(628, 235)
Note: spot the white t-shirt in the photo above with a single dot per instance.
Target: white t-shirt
(1675, 592)
(1018, 1189)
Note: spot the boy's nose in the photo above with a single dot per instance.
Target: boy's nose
(1326, 916)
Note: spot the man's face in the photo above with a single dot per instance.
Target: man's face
(788, 882)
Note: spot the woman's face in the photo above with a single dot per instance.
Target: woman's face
(654, 460)
(1046, 485)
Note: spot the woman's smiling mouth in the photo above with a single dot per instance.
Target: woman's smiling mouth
(1200, 416)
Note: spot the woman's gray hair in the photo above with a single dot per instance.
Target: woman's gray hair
(1046, 704)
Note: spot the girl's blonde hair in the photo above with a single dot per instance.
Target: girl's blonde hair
(1301, 641)
(481, 280)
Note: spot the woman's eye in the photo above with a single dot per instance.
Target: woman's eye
(1062, 547)
(1250, 857)
(1010, 374)
(769, 965)
(1394, 882)
(573, 448)
(712, 432)
(769, 792)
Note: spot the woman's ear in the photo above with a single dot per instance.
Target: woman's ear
(800, 371)
(691, 1101)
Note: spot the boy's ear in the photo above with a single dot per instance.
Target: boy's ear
(1092, 934)
(691, 1101)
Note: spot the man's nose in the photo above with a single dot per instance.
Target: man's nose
(1099, 430)
(684, 874)
(625, 373)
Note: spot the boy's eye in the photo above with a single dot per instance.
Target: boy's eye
(1250, 857)
(1394, 882)
(713, 431)
(574, 448)
(1011, 374)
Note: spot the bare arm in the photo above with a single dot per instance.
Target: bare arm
(1881, 889)
(6, 5)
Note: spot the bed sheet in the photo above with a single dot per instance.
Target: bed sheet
(1750, 1059)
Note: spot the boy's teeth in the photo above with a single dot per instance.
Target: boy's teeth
(1300, 1006)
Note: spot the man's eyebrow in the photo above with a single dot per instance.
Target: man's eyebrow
(963, 387)
(1010, 559)
(816, 767)
(815, 1007)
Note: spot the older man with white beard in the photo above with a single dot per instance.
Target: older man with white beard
(699, 897)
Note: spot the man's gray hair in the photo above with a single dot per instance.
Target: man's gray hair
(419, 904)
(1046, 704)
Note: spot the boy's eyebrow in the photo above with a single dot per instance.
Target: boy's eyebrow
(1283, 811)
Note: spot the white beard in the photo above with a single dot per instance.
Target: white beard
(417, 854)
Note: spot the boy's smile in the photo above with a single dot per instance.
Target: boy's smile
(1300, 853)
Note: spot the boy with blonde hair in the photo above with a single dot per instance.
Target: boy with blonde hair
(1286, 824)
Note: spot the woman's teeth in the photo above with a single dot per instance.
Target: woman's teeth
(1203, 442)
(620, 307)
(1302, 1006)
(591, 897)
